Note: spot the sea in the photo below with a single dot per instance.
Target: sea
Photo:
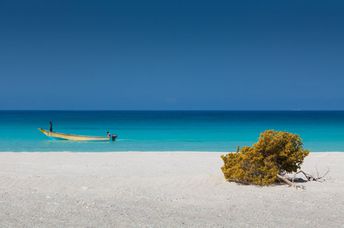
(211, 131)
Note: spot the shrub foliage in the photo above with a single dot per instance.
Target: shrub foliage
(276, 152)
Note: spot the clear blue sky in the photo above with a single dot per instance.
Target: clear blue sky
(228, 55)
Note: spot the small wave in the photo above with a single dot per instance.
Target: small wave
(124, 140)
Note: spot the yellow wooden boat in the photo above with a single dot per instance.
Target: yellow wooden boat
(72, 137)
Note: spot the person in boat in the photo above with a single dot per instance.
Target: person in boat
(51, 126)
(108, 134)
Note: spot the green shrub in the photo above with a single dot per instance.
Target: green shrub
(276, 152)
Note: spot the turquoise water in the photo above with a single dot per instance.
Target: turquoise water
(167, 130)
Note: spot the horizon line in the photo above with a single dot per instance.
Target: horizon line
(177, 110)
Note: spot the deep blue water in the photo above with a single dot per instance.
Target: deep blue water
(167, 130)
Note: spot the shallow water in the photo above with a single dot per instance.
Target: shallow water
(167, 130)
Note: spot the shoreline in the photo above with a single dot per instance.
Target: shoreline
(151, 189)
(144, 151)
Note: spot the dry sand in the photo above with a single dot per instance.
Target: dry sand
(158, 190)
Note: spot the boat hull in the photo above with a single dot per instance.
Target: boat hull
(72, 137)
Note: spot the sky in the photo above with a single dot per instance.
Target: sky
(172, 55)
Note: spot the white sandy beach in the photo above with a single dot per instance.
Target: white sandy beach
(133, 189)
